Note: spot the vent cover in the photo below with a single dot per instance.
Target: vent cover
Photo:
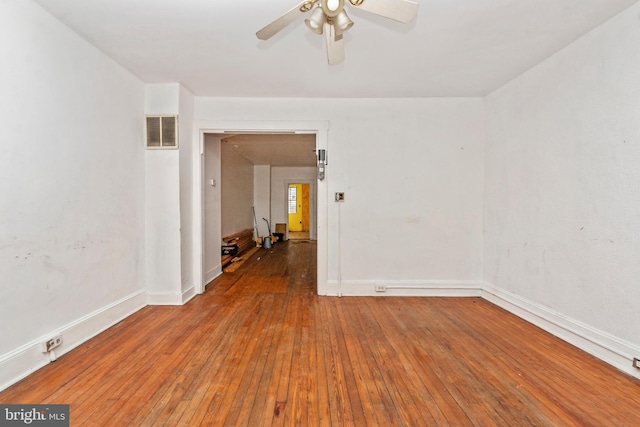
(162, 132)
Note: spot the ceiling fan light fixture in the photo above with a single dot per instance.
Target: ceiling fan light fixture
(333, 5)
(332, 8)
(342, 22)
(316, 21)
(332, 15)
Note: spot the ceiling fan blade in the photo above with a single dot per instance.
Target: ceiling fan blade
(399, 10)
(335, 45)
(286, 19)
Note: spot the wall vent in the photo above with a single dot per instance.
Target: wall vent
(162, 132)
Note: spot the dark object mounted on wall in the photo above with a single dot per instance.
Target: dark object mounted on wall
(162, 132)
(322, 163)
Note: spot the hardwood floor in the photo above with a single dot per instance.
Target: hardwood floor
(260, 348)
(298, 235)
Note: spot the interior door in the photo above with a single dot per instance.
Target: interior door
(298, 205)
(304, 207)
(295, 207)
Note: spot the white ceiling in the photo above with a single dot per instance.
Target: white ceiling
(453, 48)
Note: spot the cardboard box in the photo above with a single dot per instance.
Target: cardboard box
(282, 229)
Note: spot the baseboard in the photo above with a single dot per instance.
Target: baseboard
(188, 294)
(210, 275)
(405, 288)
(171, 299)
(605, 347)
(28, 358)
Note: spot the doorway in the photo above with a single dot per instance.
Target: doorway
(298, 211)
(205, 268)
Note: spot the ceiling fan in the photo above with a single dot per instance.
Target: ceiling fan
(329, 17)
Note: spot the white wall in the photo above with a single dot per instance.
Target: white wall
(71, 186)
(562, 205)
(412, 171)
(236, 191)
(262, 197)
(187, 187)
(212, 237)
(162, 192)
(281, 177)
(170, 266)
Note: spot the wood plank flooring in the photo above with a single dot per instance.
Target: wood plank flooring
(259, 348)
(298, 235)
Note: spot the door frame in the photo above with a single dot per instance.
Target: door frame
(319, 128)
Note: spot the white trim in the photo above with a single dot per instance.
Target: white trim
(212, 274)
(188, 294)
(28, 358)
(164, 299)
(403, 288)
(605, 347)
(172, 298)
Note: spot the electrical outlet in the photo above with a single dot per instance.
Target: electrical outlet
(381, 288)
(51, 343)
(636, 362)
